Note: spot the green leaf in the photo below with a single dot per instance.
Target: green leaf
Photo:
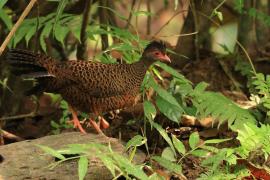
(60, 33)
(168, 154)
(82, 167)
(163, 133)
(179, 146)
(6, 19)
(201, 87)
(30, 33)
(156, 176)
(44, 34)
(60, 8)
(108, 162)
(194, 140)
(168, 164)
(172, 71)
(169, 110)
(2, 3)
(136, 141)
(149, 110)
(51, 151)
(130, 168)
(140, 13)
(162, 92)
(200, 153)
(216, 141)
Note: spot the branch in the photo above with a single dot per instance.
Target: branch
(130, 14)
(15, 27)
(32, 114)
(149, 18)
(103, 22)
(164, 25)
(11, 136)
(82, 47)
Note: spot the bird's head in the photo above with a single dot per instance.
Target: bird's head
(156, 51)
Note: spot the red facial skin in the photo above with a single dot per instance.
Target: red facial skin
(162, 57)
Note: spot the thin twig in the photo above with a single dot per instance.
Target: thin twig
(164, 25)
(130, 13)
(181, 35)
(9, 135)
(103, 24)
(15, 27)
(196, 26)
(237, 42)
(82, 47)
(36, 39)
(149, 18)
(32, 114)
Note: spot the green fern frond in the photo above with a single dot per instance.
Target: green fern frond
(253, 138)
(220, 108)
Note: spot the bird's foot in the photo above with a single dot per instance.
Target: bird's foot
(95, 126)
(103, 123)
(78, 125)
(76, 121)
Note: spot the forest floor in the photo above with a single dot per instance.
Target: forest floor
(129, 122)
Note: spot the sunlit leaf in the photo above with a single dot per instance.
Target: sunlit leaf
(194, 140)
(130, 168)
(149, 110)
(200, 153)
(168, 154)
(137, 140)
(82, 167)
(216, 141)
(51, 151)
(179, 146)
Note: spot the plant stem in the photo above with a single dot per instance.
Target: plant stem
(82, 47)
(15, 27)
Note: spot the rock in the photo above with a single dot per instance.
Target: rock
(25, 160)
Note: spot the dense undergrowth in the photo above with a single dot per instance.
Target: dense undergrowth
(179, 98)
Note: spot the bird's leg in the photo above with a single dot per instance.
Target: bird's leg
(76, 121)
(95, 126)
(103, 123)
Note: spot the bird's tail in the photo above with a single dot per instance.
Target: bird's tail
(30, 65)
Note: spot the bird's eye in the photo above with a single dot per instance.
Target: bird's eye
(156, 53)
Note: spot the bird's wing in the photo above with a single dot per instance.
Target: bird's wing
(95, 79)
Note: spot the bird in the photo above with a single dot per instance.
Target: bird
(87, 86)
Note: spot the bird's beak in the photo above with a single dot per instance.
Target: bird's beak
(166, 58)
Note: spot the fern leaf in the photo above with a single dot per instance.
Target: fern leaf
(221, 109)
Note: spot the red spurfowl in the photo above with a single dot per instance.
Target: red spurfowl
(87, 86)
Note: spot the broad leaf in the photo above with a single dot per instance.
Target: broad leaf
(168, 154)
(52, 152)
(82, 167)
(149, 110)
(168, 164)
(137, 140)
(194, 140)
(169, 110)
(179, 146)
(163, 133)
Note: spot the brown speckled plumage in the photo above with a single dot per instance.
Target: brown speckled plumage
(87, 86)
